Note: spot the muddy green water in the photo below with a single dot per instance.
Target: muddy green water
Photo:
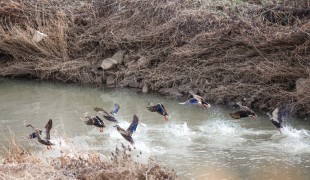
(198, 143)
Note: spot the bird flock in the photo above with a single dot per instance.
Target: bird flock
(43, 136)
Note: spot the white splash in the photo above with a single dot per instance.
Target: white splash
(291, 140)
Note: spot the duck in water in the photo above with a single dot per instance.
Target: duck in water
(95, 121)
(160, 109)
(197, 100)
(130, 130)
(276, 117)
(243, 112)
(42, 135)
(109, 116)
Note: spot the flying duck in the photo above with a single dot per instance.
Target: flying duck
(197, 100)
(109, 116)
(277, 117)
(160, 109)
(243, 112)
(130, 130)
(96, 121)
(45, 133)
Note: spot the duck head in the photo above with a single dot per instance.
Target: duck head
(117, 126)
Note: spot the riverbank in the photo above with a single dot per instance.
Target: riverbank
(252, 51)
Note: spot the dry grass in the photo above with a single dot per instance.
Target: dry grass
(21, 164)
(226, 51)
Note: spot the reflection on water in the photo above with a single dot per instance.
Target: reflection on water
(198, 143)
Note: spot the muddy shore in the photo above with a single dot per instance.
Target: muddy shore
(251, 51)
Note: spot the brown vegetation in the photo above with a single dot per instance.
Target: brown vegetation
(253, 50)
(22, 164)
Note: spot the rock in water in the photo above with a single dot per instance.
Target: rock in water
(145, 88)
(110, 63)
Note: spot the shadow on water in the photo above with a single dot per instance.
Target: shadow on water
(198, 143)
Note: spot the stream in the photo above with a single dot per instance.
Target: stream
(197, 143)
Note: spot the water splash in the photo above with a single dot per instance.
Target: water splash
(291, 140)
(177, 129)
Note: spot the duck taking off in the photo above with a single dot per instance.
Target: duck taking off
(96, 121)
(243, 112)
(276, 117)
(109, 116)
(197, 100)
(43, 135)
(160, 109)
(130, 130)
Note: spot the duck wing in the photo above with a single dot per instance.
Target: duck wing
(110, 118)
(107, 116)
(276, 115)
(247, 109)
(90, 121)
(29, 125)
(279, 113)
(44, 141)
(133, 126)
(115, 109)
(191, 101)
(128, 138)
(195, 95)
(125, 134)
(235, 115)
(47, 129)
(152, 108)
(240, 114)
(101, 110)
(163, 110)
(98, 122)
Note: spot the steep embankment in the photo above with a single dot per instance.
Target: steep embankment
(226, 52)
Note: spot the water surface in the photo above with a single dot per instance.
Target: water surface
(198, 143)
